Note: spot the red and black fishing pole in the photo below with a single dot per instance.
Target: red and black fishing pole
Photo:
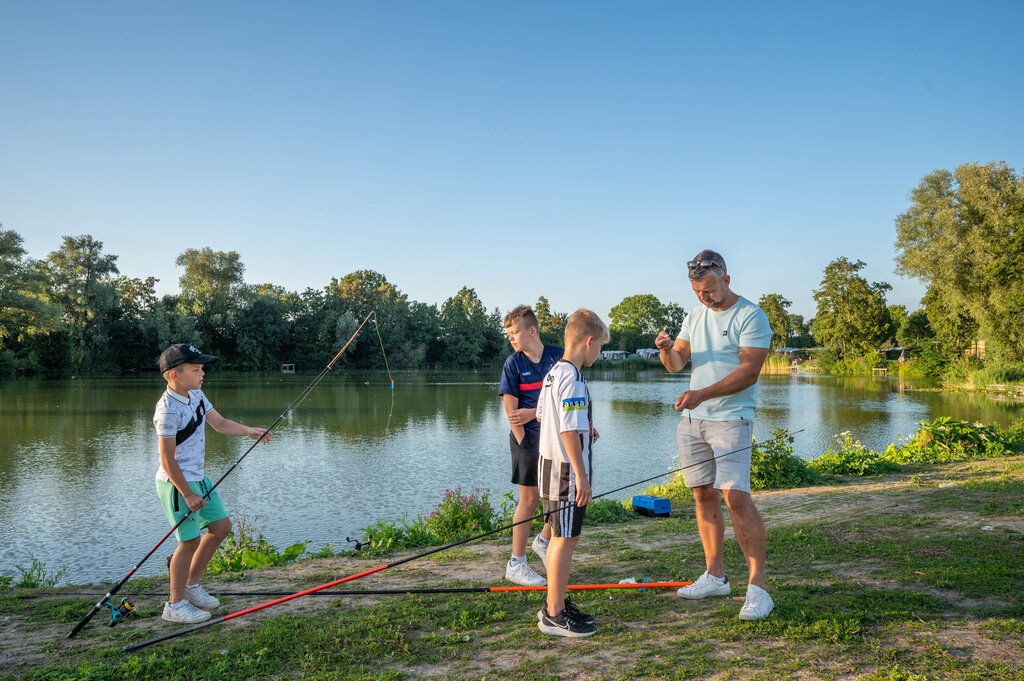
(117, 587)
(424, 554)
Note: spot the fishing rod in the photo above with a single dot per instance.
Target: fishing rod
(104, 601)
(443, 590)
(424, 554)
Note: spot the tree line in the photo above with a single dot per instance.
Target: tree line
(73, 312)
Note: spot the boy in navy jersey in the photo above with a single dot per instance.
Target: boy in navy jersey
(180, 419)
(565, 472)
(520, 385)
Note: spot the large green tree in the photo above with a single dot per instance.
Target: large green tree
(852, 316)
(963, 237)
(637, 319)
(212, 289)
(469, 335)
(23, 307)
(81, 281)
(777, 309)
(552, 324)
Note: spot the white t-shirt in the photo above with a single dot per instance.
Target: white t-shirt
(185, 420)
(715, 340)
(562, 406)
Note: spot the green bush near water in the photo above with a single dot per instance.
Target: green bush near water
(774, 466)
(850, 457)
(247, 549)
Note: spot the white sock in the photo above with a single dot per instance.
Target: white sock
(517, 559)
(542, 540)
(721, 580)
(180, 603)
(191, 586)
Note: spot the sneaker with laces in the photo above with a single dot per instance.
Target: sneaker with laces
(704, 587)
(564, 624)
(523, 574)
(757, 605)
(197, 596)
(573, 612)
(541, 549)
(184, 613)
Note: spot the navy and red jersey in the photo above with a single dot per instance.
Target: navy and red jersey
(522, 378)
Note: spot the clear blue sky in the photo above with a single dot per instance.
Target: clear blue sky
(578, 150)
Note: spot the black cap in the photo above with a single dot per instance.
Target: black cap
(182, 353)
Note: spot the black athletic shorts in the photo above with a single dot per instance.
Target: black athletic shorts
(524, 459)
(565, 517)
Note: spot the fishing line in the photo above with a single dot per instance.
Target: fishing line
(388, 367)
(424, 554)
(103, 601)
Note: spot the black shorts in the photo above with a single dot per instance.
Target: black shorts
(524, 459)
(566, 518)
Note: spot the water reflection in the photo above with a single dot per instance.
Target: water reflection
(77, 457)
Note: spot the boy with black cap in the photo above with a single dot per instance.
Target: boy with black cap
(180, 419)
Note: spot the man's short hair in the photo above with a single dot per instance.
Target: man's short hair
(704, 262)
(521, 313)
(585, 323)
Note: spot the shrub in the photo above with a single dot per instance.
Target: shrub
(8, 364)
(602, 511)
(461, 516)
(945, 439)
(36, 575)
(247, 549)
(774, 466)
(850, 457)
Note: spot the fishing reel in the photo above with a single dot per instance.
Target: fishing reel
(360, 544)
(122, 611)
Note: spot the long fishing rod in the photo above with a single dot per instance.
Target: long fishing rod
(442, 590)
(424, 554)
(103, 601)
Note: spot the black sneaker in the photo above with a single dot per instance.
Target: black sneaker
(576, 614)
(564, 624)
(572, 611)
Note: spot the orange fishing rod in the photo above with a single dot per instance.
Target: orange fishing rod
(117, 587)
(424, 554)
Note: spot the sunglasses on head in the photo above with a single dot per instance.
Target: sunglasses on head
(694, 264)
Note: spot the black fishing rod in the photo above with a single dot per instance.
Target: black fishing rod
(424, 554)
(105, 600)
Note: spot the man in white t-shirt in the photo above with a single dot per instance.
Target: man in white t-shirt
(727, 339)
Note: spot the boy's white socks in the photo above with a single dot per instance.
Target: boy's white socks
(541, 540)
(517, 559)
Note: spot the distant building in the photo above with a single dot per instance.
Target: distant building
(613, 354)
(648, 353)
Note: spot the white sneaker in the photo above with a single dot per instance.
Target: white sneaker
(757, 605)
(523, 574)
(704, 587)
(185, 613)
(541, 549)
(197, 596)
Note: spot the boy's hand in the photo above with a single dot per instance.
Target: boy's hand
(257, 433)
(194, 501)
(583, 492)
(664, 341)
(593, 433)
(520, 417)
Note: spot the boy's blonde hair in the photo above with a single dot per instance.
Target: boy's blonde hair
(585, 323)
(522, 313)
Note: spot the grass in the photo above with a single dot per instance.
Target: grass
(916, 593)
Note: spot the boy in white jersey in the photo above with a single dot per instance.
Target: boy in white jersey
(180, 420)
(564, 472)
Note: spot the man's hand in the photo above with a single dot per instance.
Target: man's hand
(257, 433)
(664, 341)
(193, 501)
(689, 400)
(583, 491)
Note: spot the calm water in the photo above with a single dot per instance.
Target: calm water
(77, 457)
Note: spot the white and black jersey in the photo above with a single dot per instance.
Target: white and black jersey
(563, 406)
(184, 419)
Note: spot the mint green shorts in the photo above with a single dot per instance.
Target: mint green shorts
(175, 508)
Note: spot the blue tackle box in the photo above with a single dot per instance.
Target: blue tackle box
(656, 507)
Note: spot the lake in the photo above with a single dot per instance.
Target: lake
(78, 456)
